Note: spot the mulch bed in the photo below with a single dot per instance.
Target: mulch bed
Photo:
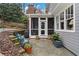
(7, 47)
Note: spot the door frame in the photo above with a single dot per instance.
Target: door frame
(46, 28)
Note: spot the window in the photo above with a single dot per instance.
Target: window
(42, 25)
(34, 32)
(69, 18)
(62, 21)
(34, 26)
(65, 20)
(57, 22)
(72, 11)
(50, 26)
(34, 23)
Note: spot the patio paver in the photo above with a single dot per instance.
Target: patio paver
(46, 48)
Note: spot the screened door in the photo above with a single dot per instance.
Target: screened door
(43, 27)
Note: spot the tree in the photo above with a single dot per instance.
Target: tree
(23, 19)
(11, 12)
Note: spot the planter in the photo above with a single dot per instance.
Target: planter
(28, 50)
(58, 43)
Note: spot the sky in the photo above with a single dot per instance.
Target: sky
(41, 6)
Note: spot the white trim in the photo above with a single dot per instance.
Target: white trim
(38, 14)
(73, 20)
(43, 36)
(39, 27)
(74, 16)
(59, 22)
(29, 26)
(64, 20)
(65, 30)
(55, 23)
(46, 26)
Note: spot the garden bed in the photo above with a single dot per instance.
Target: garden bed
(7, 47)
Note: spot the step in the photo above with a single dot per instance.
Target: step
(21, 51)
(12, 36)
(13, 39)
(10, 33)
(17, 43)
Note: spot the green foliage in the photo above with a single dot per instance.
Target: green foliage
(11, 12)
(23, 19)
(56, 36)
(27, 45)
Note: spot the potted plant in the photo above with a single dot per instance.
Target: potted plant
(28, 48)
(56, 40)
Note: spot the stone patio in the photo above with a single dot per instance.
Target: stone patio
(42, 47)
(46, 48)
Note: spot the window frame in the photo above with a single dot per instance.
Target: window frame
(66, 30)
(32, 27)
(70, 18)
(57, 22)
(61, 20)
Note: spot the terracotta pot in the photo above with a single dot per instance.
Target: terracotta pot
(28, 50)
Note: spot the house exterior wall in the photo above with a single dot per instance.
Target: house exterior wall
(47, 18)
(70, 39)
(51, 6)
(56, 8)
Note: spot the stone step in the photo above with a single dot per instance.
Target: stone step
(12, 36)
(10, 33)
(16, 43)
(13, 39)
(21, 51)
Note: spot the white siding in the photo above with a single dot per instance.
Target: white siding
(51, 7)
(56, 8)
(71, 39)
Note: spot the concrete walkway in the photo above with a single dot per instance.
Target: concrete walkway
(46, 48)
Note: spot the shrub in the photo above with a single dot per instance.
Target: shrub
(27, 45)
(56, 36)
